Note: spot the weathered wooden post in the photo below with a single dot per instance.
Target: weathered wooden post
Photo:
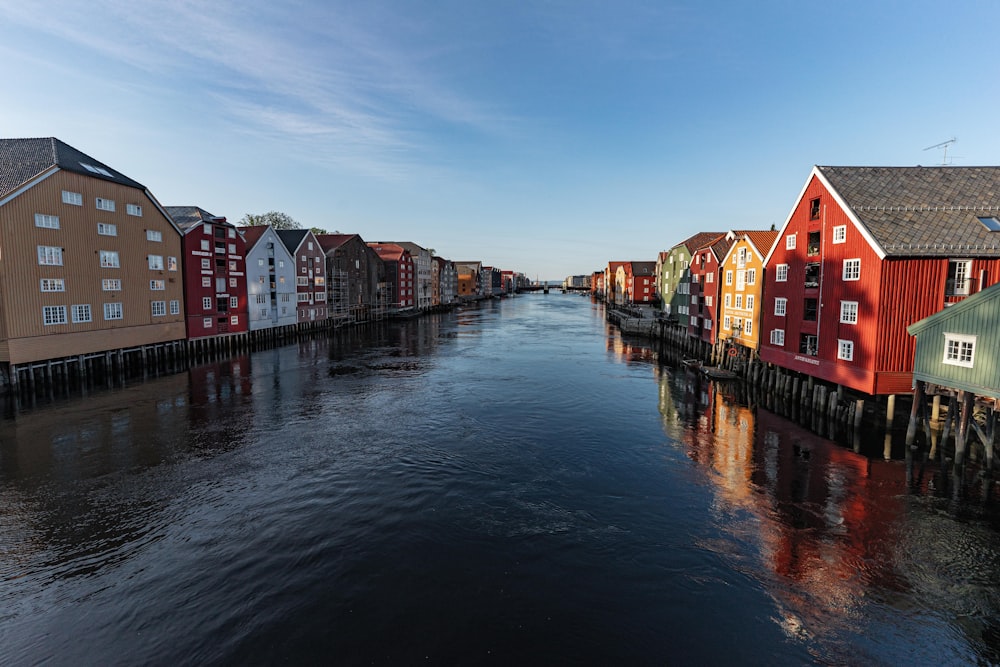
(918, 399)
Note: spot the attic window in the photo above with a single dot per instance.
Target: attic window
(96, 170)
(991, 223)
(814, 209)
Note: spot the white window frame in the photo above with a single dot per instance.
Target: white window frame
(780, 306)
(235, 319)
(53, 315)
(107, 229)
(751, 276)
(781, 273)
(154, 235)
(852, 269)
(111, 285)
(727, 323)
(109, 259)
(750, 301)
(748, 326)
(778, 337)
(158, 285)
(134, 209)
(52, 285)
(155, 262)
(206, 303)
(171, 263)
(175, 307)
(105, 204)
(963, 343)
(845, 350)
(840, 234)
(50, 255)
(206, 281)
(729, 277)
(848, 312)
(206, 245)
(158, 308)
(790, 242)
(81, 313)
(727, 300)
(72, 198)
(206, 322)
(234, 302)
(46, 221)
(113, 311)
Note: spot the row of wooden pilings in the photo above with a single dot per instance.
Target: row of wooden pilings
(111, 368)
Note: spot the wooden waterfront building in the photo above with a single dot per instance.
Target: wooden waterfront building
(864, 253)
(399, 275)
(741, 281)
(469, 276)
(636, 282)
(448, 281)
(704, 288)
(214, 266)
(422, 260)
(310, 275)
(271, 289)
(613, 293)
(355, 277)
(675, 277)
(89, 263)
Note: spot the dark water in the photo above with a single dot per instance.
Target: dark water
(513, 484)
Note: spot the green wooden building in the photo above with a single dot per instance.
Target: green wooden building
(959, 347)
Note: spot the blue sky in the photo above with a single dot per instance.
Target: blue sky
(546, 137)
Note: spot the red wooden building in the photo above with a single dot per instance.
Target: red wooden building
(213, 260)
(399, 274)
(310, 274)
(641, 278)
(864, 253)
(704, 275)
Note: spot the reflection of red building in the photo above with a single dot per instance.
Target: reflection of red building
(215, 275)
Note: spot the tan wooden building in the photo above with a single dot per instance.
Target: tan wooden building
(89, 261)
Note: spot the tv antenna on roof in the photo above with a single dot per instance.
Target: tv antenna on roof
(944, 145)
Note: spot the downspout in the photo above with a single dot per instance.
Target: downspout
(822, 266)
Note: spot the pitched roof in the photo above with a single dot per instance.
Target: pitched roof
(253, 233)
(922, 211)
(388, 251)
(643, 268)
(292, 238)
(699, 240)
(23, 159)
(761, 240)
(333, 241)
(187, 217)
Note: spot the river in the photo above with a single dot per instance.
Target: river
(508, 484)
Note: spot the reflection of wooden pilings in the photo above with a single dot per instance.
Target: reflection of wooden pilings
(918, 401)
(962, 436)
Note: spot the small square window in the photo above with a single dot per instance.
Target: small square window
(105, 204)
(790, 242)
(781, 273)
(845, 350)
(154, 235)
(840, 234)
(814, 209)
(134, 209)
(74, 198)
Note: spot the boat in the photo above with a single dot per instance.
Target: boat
(718, 373)
(691, 363)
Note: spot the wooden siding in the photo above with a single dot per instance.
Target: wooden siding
(730, 263)
(36, 348)
(194, 293)
(77, 236)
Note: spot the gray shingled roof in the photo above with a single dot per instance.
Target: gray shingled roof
(23, 159)
(187, 217)
(292, 238)
(923, 211)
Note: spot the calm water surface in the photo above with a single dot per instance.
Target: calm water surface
(513, 484)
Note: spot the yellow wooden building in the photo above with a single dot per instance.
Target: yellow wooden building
(741, 281)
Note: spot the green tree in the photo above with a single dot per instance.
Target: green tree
(317, 230)
(276, 219)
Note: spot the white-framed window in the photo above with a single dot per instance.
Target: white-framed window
(845, 350)
(106, 229)
(778, 337)
(50, 255)
(260, 261)
(109, 259)
(232, 233)
(710, 277)
(708, 301)
(235, 319)
(262, 279)
(46, 221)
(729, 277)
(207, 322)
(232, 282)
(206, 303)
(781, 273)
(848, 312)
(695, 320)
(750, 301)
(852, 269)
(958, 282)
(171, 263)
(157, 285)
(74, 198)
(234, 302)
(707, 324)
(302, 281)
(53, 315)
(205, 245)
(741, 279)
(303, 296)
(739, 301)
(206, 264)
(727, 300)
(206, 281)
(53, 285)
(321, 296)
(281, 263)
(959, 350)
(81, 313)
(155, 262)
(134, 209)
(159, 308)
(207, 229)
(741, 257)
(840, 234)
(790, 242)
(261, 298)
(154, 235)
(175, 307)
(105, 204)
(751, 276)
(232, 248)
(112, 311)
(111, 284)
(780, 306)
(727, 323)
(748, 326)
